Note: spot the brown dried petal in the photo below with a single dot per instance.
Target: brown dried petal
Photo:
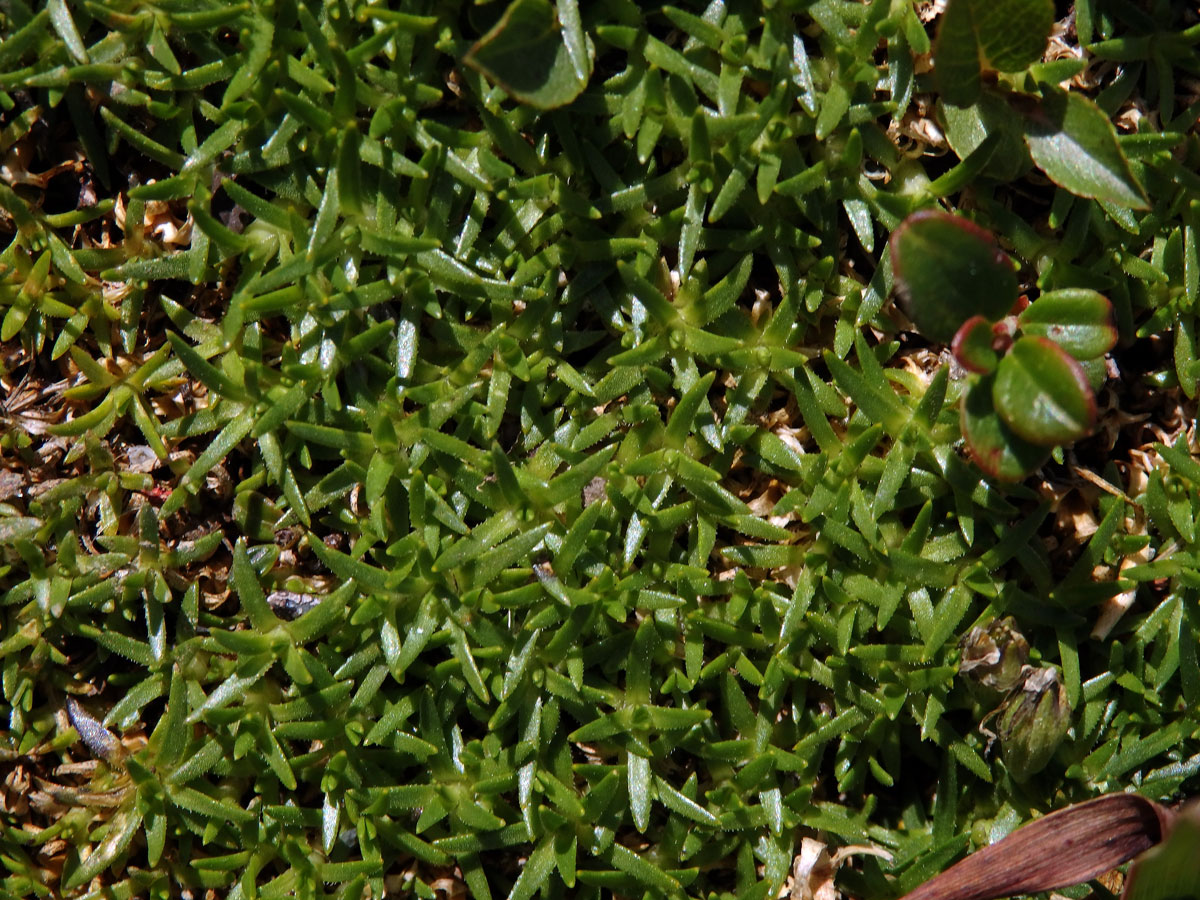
(1063, 848)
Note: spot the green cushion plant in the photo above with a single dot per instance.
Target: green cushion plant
(469, 446)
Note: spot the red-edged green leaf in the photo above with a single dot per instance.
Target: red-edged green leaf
(972, 346)
(974, 35)
(947, 270)
(1077, 319)
(1042, 393)
(993, 446)
(1074, 143)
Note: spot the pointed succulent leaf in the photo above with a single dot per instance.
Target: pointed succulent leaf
(994, 447)
(1077, 319)
(1075, 144)
(947, 270)
(972, 346)
(1043, 394)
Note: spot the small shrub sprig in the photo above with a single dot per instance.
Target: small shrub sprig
(1033, 366)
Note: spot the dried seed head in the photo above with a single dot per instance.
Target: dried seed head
(1033, 723)
(994, 656)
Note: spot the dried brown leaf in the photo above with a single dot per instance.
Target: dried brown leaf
(1063, 848)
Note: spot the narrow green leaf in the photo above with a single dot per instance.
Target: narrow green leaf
(683, 805)
(120, 831)
(221, 445)
(64, 24)
(683, 418)
(206, 807)
(637, 770)
(647, 873)
(245, 582)
(536, 871)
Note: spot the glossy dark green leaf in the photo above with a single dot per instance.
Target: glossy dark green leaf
(947, 270)
(532, 55)
(1077, 319)
(993, 446)
(1042, 393)
(1075, 144)
(980, 35)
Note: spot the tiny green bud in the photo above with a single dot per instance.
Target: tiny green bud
(1033, 723)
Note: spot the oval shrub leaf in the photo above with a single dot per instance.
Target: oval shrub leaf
(947, 270)
(1074, 143)
(973, 35)
(972, 346)
(530, 55)
(1079, 320)
(993, 446)
(1042, 393)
